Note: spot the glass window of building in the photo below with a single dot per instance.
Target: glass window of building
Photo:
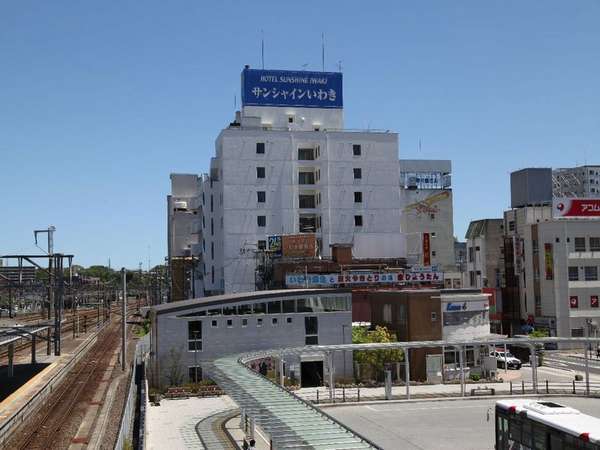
(195, 373)
(260, 172)
(288, 306)
(306, 154)
(573, 273)
(244, 323)
(214, 323)
(229, 310)
(195, 335)
(356, 149)
(261, 221)
(259, 322)
(358, 221)
(357, 173)
(229, 323)
(358, 197)
(580, 244)
(595, 244)
(260, 308)
(311, 325)
(591, 273)
(274, 307)
(244, 309)
(260, 148)
(261, 196)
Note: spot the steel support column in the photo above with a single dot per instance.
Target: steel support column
(407, 372)
(33, 360)
(11, 355)
(587, 369)
(330, 369)
(462, 370)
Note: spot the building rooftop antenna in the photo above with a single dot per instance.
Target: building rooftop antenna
(262, 48)
(323, 51)
(339, 64)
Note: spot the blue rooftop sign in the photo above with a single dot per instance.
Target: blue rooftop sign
(291, 88)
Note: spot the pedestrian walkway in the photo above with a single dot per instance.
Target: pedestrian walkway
(172, 425)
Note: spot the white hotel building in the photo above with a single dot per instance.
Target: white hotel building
(284, 168)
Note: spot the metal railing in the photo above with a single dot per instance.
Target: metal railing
(136, 392)
(345, 394)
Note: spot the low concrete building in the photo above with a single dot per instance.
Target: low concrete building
(187, 333)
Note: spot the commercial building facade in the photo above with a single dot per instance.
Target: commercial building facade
(427, 212)
(185, 334)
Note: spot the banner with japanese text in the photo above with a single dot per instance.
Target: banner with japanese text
(549, 261)
(361, 278)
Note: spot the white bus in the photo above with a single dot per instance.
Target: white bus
(538, 424)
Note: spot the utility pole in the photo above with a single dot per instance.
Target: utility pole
(123, 319)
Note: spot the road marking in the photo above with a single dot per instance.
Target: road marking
(423, 409)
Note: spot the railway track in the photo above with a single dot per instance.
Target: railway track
(67, 328)
(53, 425)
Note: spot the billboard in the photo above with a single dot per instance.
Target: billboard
(576, 207)
(291, 88)
(299, 245)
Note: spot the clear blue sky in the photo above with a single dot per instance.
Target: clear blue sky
(100, 101)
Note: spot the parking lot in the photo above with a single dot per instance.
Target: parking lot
(447, 424)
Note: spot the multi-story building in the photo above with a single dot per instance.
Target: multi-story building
(184, 236)
(286, 165)
(485, 261)
(427, 215)
(582, 181)
(552, 265)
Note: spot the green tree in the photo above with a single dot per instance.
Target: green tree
(375, 358)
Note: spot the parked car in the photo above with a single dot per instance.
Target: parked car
(509, 359)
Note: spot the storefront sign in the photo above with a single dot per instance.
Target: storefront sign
(574, 301)
(299, 245)
(361, 278)
(291, 88)
(576, 207)
(549, 261)
(426, 250)
(594, 301)
(466, 306)
(274, 245)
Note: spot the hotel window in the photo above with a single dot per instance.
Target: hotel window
(260, 148)
(195, 335)
(288, 320)
(274, 321)
(261, 221)
(356, 150)
(358, 221)
(212, 227)
(214, 324)
(580, 244)
(259, 323)
(261, 244)
(212, 250)
(244, 323)
(358, 197)
(261, 196)
(260, 172)
(595, 244)
(212, 203)
(591, 273)
(306, 154)
(357, 173)
(573, 273)
(229, 323)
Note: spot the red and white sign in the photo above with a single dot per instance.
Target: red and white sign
(574, 301)
(594, 301)
(426, 250)
(576, 207)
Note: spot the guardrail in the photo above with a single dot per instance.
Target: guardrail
(8, 427)
(136, 394)
(343, 394)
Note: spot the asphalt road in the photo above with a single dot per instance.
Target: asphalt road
(454, 424)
